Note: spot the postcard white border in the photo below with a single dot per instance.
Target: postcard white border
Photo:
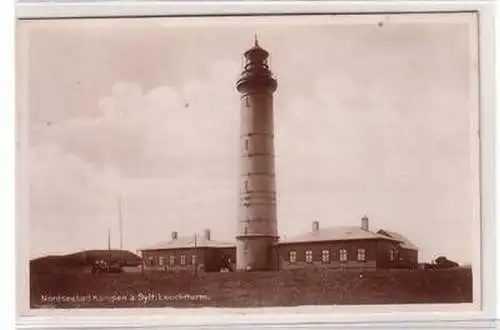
(7, 225)
(346, 316)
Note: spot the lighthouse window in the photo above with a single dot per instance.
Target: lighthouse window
(246, 145)
(246, 185)
(247, 102)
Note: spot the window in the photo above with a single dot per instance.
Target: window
(247, 101)
(343, 255)
(193, 259)
(172, 260)
(183, 260)
(325, 256)
(293, 256)
(151, 260)
(309, 256)
(361, 254)
(392, 255)
(246, 185)
(246, 144)
(161, 261)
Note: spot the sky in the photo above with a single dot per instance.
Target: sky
(374, 115)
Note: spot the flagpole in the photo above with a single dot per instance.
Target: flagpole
(196, 256)
(109, 239)
(120, 219)
(109, 249)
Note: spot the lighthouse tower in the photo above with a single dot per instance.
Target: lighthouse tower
(257, 221)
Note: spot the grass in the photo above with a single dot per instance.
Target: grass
(259, 289)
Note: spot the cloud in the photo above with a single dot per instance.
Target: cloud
(70, 200)
(61, 182)
(148, 132)
(362, 125)
(166, 150)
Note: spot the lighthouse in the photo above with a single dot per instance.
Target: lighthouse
(257, 215)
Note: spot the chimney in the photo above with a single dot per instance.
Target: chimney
(174, 235)
(315, 226)
(207, 234)
(364, 223)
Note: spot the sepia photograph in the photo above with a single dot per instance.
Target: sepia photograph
(250, 162)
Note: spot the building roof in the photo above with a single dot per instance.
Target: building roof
(121, 256)
(405, 243)
(189, 242)
(256, 49)
(87, 257)
(345, 233)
